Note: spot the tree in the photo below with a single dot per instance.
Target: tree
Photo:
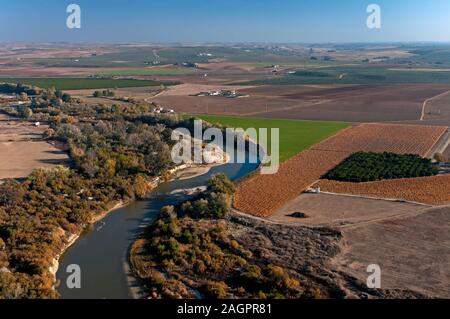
(216, 290)
(220, 183)
(66, 97)
(26, 112)
(11, 193)
(23, 96)
(141, 186)
(59, 93)
(49, 133)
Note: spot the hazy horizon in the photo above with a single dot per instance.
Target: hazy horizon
(233, 21)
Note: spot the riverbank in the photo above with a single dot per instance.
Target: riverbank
(70, 239)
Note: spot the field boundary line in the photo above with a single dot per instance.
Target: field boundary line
(424, 105)
(442, 148)
(430, 150)
(286, 108)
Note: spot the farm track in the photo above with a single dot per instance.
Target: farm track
(260, 195)
(425, 103)
(379, 137)
(426, 208)
(442, 145)
(286, 108)
(432, 190)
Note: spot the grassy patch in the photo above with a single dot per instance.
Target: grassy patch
(152, 71)
(295, 136)
(368, 167)
(82, 83)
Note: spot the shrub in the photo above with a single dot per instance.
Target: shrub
(221, 184)
(252, 273)
(216, 290)
(199, 267)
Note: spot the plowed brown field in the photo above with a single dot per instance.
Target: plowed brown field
(447, 154)
(433, 190)
(261, 195)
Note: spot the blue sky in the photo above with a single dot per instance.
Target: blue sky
(311, 21)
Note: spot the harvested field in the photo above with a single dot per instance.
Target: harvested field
(179, 98)
(189, 89)
(354, 103)
(394, 138)
(22, 149)
(359, 103)
(434, 190)
(413, 252)
(139, 94)
(248, 106)
(338, 210)
(260, 195)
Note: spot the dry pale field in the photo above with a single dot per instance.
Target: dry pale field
(189, 89)
(413, 252)
(339, 211)
(434, 190)
(140, 94)
(22, 149)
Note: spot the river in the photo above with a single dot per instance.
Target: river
(101, 252)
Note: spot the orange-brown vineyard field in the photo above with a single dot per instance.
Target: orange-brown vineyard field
(434, 190)
(261, 195)
(394, 138)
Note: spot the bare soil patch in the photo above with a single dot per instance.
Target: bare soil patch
(438, 109)
(412, 252)
(354, 103)
(359, 103)
(189, 89)
(337, 211)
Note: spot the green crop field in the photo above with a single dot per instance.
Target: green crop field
(82, 83)
(149, 71)
(361, 74)
(295, 135)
